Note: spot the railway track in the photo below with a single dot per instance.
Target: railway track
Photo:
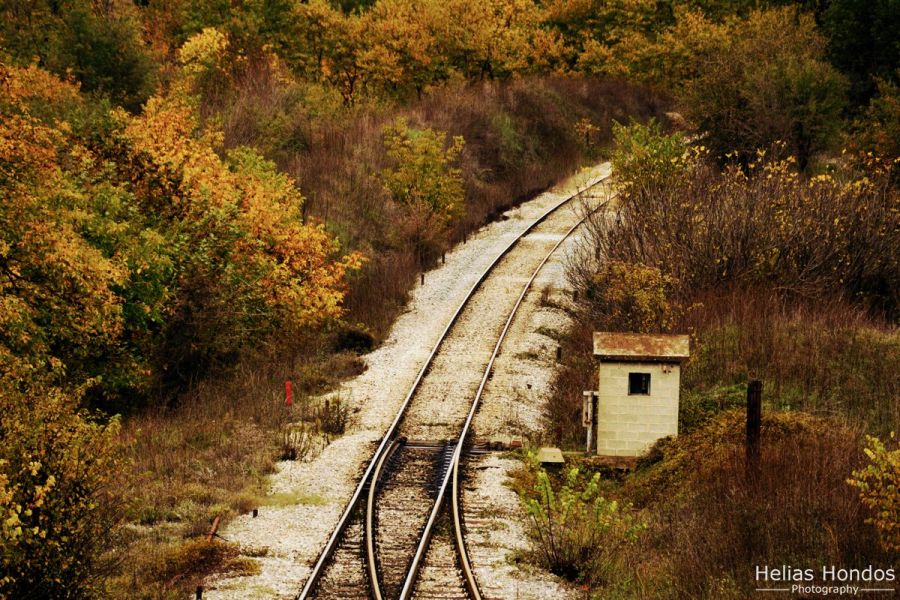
(393, 539)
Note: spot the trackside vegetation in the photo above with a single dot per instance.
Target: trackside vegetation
(200, 200)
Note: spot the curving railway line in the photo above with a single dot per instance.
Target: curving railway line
(394, 540)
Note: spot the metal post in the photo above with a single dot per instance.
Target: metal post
(587, 417)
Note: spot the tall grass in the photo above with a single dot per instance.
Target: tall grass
(209, 457)
(827, 358)
(713, 521)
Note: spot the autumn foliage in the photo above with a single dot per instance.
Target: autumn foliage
(125, 267)
(153, 234)
(110, 254)
(425, 184)
(59, 509)
(878, 483)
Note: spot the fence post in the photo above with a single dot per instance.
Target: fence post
(754, 422)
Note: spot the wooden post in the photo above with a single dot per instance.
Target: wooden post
(754, 422)
(199, 593)
(423, 277)
(558, 353)
(443, 258)
(214, 528)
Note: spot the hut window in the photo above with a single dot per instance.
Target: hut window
(639, 384)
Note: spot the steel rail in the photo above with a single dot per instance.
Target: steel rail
(370, 525)
(387, 439)
(453, 472)
(462, 552)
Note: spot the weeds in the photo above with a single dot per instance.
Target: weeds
(210, 457)
(712, 520)
(575, 532)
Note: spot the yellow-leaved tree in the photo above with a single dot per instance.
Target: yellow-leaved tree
(134, 250)
(247, 264)
(424, 184)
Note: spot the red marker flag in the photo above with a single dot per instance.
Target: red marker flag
(288, 394)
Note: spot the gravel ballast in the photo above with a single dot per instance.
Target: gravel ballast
(286, 540)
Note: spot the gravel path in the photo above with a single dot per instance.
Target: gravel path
(287, 539)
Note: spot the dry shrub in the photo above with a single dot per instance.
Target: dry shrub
(768, 225)
(576, 373)
(630, 297)
(717, 519)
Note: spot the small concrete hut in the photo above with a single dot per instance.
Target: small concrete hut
(639, 380)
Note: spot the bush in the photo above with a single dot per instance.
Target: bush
(58, 509)
(574, 531)
(423, 183)
(879, 489)
(876, 134)
(630, 297)
(644, 153)
(765, 226)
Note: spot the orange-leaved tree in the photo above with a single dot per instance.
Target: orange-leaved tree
(248, 265)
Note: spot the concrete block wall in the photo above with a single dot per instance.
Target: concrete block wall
(629, 425)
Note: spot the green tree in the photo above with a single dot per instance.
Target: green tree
(428, 190)
(767, 82)
(99, 44)
(862, 42)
